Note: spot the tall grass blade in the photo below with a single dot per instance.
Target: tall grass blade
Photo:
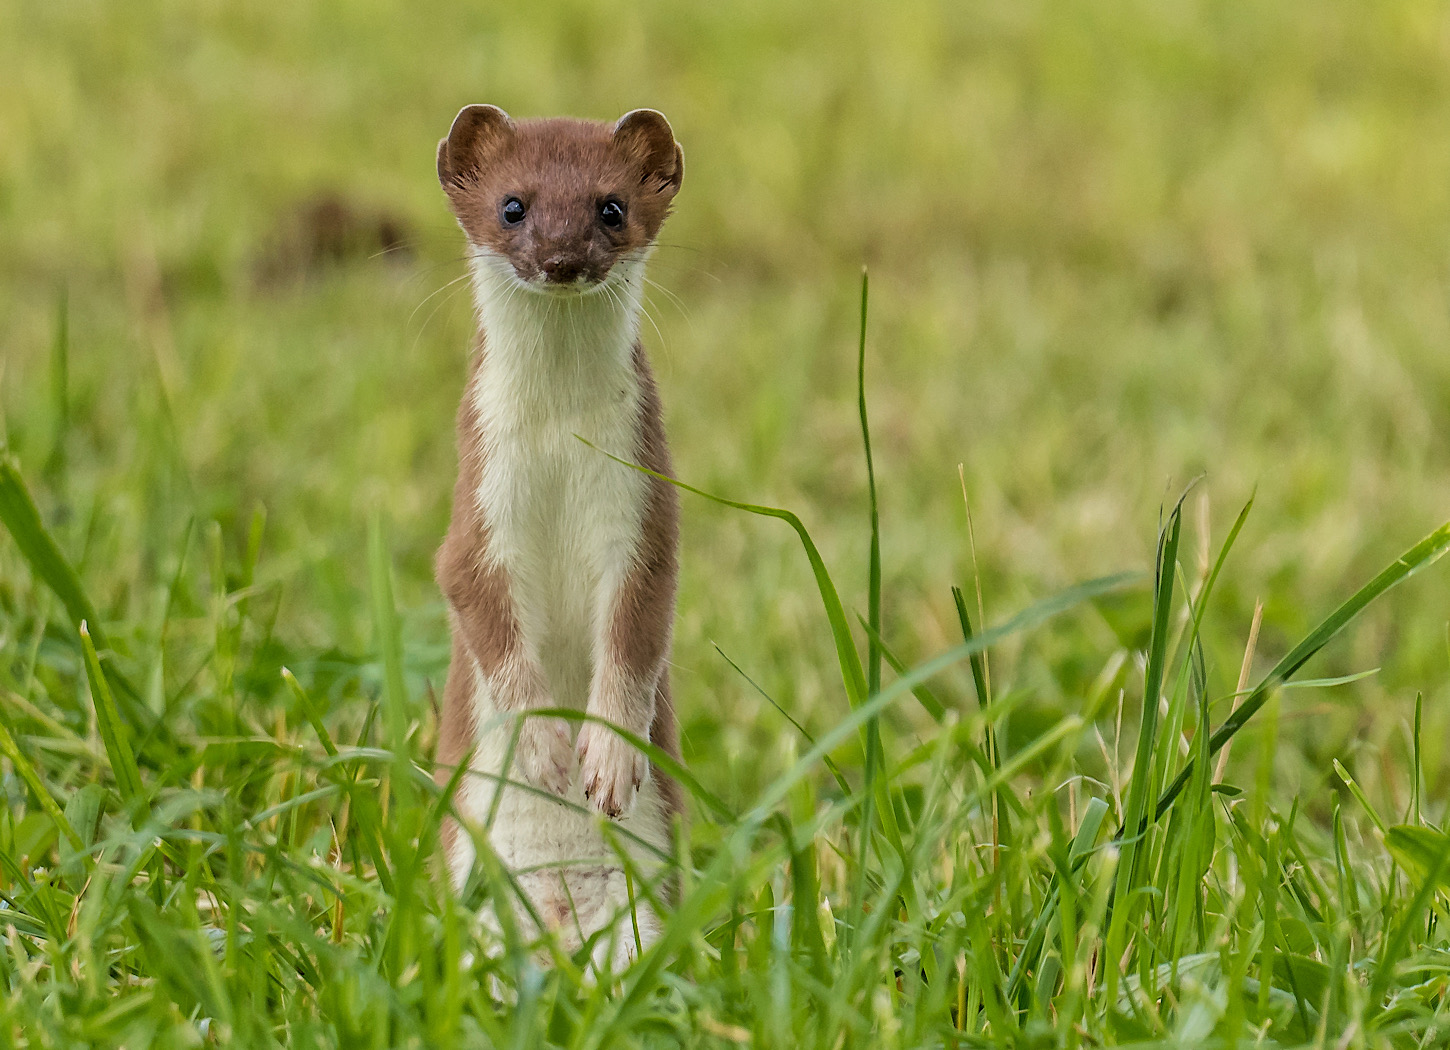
(853, 676)
(875, 755)
(23, 766)
(1001, 828)
(1129, 866)
(1359, 795)
(1420, 556)
(979, 669)
(113, 733)
(309, 711)
(1034, 615)
(41, 552)
(873, 603)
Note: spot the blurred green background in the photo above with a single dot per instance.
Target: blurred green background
(1111, 247)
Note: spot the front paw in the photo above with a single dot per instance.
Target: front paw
(611, 769)
(544, 756)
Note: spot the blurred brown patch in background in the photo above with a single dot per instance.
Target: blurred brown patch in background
(330, 229)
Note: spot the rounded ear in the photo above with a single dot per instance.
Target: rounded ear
(475, 131)
(646, 135)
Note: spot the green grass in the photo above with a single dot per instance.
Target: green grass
(219, 869)
(1111, 249)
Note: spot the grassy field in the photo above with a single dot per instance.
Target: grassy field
(1116, 252)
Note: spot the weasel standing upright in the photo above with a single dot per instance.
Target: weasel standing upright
(559, 565)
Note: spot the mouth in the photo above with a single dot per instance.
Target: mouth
(503, 270)
(583, 284)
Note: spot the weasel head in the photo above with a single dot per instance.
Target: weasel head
(554, 205)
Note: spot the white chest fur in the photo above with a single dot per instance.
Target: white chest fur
(564, 522)
(563, 519)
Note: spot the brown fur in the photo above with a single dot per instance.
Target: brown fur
(561, 170)
(641, 625)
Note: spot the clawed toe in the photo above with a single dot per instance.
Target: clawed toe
(612, 770)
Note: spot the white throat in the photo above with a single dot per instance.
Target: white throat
(557, 350)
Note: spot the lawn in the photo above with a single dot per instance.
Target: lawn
(1117, 254)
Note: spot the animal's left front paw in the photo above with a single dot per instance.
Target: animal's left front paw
(610, 768)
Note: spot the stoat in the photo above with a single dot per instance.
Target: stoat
(559, 566)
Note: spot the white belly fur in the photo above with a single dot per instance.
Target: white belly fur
(564, 521)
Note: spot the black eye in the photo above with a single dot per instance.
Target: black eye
(611, 213)
(512, 211)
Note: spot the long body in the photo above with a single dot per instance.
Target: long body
(559, 569)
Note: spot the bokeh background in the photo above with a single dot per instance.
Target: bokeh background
(1111, 248)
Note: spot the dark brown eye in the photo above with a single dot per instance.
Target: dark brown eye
(611, 213)
(512, 211)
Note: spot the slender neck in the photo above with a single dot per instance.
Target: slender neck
(549, 352)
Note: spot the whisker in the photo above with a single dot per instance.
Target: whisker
(644, 308)
(436, 291)
(418, 338)
(673, 298)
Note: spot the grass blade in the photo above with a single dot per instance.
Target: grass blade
(1359, 795)
(873, 603)
(1030, 617)
(22, 519)
(305, 702)
(11, 750)
(113, 732)
(1136, 815)
(853, 676)
(1417, 850)
(834, 769)
(1421, 556)
(388, 639)
(1437, 868)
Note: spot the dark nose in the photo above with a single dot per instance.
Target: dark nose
(561, 268)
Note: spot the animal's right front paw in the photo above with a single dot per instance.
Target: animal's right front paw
(611, 769)
(544, 756)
